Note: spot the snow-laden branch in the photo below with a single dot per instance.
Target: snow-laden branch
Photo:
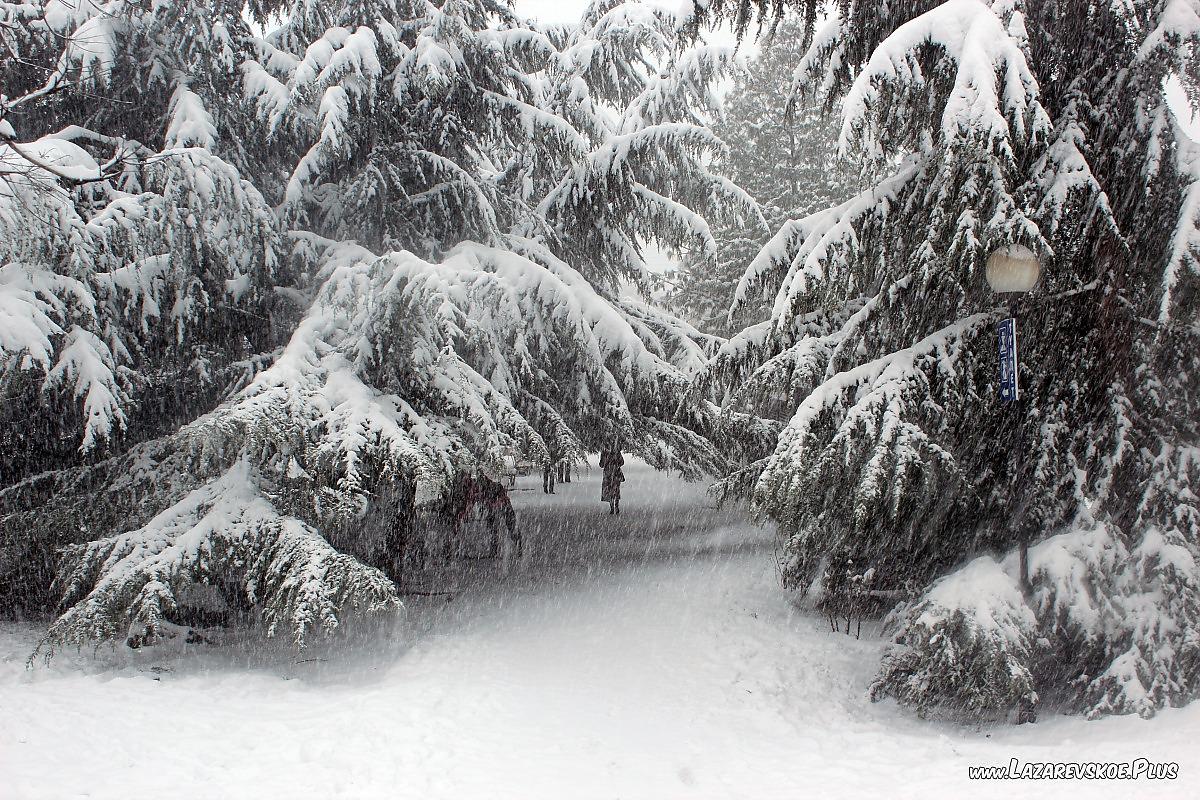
(993, 97)
(438, 367)
(872, 394)
(1184, 254)
(804, 250)
(130, 586)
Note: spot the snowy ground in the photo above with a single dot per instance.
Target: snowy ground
(650, 655)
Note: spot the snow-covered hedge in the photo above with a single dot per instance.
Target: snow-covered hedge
(1105, 629)
(967, 643)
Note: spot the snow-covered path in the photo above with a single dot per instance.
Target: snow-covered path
(650, 655)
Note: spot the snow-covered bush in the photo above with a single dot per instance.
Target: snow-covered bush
(1149, 628)
(1102, 629)
(968, 643)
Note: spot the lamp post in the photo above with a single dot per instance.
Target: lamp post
(1013, 270)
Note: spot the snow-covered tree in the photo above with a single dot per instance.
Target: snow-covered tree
(650, 161)
(418, 126)
(785, 156)
(456, 195)
(136, 262)
(990, 124)
(132, 253)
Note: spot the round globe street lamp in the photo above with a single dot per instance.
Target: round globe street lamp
(1014, 269)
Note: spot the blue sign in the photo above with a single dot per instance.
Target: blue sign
(1009, 387)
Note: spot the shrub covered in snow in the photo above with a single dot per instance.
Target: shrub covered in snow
(1102, 630)
(967, 643)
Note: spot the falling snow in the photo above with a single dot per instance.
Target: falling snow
(648, 655)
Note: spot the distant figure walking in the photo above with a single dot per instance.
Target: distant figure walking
(611, 462)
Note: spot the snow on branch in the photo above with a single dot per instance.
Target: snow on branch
(1062, 174)
(190, 123)
(683, 89)
(865, 443)
(30, 301)
(89, 365)
(227, 535)
(993, 95)
(1177, 29)
(127, 257)
(426, 369)
(1184, 254)
(877, 384)
(532, 118)
(805, 251)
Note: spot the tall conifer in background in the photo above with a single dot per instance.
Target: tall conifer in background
(785, 156)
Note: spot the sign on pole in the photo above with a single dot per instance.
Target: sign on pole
(1009, 386)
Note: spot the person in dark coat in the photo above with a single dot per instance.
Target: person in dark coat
(611, 462)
